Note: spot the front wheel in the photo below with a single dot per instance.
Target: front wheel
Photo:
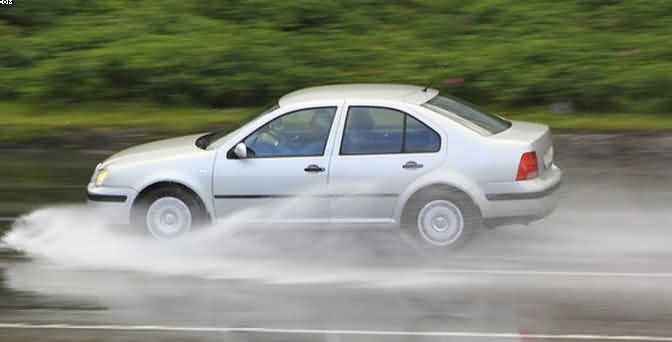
(168, 212)
(446, 219)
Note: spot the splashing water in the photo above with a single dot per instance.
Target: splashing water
(72, 237)
(619, 234)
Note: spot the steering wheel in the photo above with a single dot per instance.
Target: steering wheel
(270, 140)
(274, 138)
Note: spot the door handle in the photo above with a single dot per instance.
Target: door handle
(313, 168)
(412, 165)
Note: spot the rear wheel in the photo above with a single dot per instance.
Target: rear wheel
(168, 212)
(441, 218)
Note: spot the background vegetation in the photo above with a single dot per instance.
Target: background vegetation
(602, 55)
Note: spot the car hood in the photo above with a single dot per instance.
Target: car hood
(161, 149)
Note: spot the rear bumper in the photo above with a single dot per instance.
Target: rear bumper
(522, 201)
(113, 205)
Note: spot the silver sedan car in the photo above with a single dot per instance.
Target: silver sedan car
(362, 155)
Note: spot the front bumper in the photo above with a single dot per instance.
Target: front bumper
(112, 204)
(523, 201)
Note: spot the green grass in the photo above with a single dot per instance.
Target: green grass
(599, 54)
(595, 121)
(23, 123)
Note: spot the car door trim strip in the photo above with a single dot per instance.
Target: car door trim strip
(307, 195)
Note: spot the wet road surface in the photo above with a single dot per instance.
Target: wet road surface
(599, 268)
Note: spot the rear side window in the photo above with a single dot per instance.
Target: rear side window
(376, 130)
(468, 115)
(419, 137)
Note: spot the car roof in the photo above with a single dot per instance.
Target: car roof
(396, 92)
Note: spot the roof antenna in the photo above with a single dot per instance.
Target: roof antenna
(433, 80)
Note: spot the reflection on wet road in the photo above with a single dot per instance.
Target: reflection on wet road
(598, 268)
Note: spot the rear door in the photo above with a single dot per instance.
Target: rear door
(285, 175)
(381, 150)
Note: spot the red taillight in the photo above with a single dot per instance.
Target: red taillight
(528, 169)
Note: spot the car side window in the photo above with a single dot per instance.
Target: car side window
(419, 138)
(378, 130)
(372, 130)
(300, 133)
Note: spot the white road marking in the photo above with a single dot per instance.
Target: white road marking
(555, 273)
(163, 328)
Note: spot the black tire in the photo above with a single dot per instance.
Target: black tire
(471, 215)
(199, 216)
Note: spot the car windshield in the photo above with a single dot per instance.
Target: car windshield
(468, 115)
(210, 140)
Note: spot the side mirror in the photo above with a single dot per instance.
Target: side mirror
(240, 150)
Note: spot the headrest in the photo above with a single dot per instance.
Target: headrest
(359, 118)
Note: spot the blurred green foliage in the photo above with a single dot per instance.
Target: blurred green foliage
(605, 55)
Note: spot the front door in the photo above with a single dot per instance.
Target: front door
(284, 177)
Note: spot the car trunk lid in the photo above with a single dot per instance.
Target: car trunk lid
(535, 137)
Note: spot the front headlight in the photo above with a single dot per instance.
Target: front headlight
(100, 177)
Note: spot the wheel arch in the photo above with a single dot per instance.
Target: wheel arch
(434, 186)
(174, 184)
